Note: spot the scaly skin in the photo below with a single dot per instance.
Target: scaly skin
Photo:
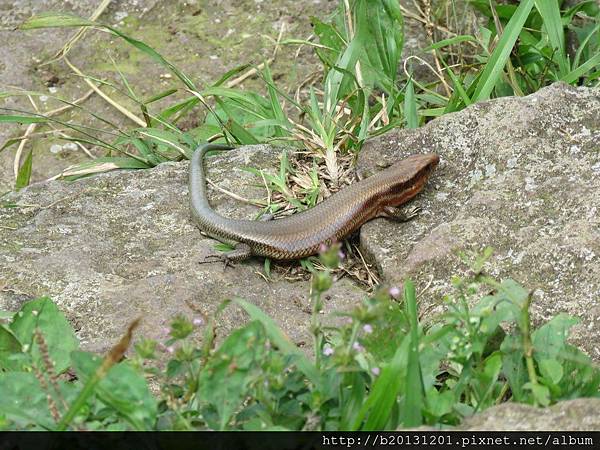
(330, 221)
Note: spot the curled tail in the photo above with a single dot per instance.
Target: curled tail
(197, 180)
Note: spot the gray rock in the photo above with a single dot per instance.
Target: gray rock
(572, 415)
(521, 175)
(117, 246)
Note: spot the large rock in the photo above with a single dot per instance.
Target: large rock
(121, 245)
(572, 415)
(517, 174)
(521, 175)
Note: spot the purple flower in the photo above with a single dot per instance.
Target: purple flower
(341, 255)
(198, 321)
(367, 328)
(394, 292)
(356, 346)
(375, 371)
(170, 349)
(322, 248)
(327, 350)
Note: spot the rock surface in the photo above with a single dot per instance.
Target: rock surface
(572, 415)
(517, 174)
(521, 175)
(121, 245)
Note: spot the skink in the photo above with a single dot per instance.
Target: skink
(330, 221)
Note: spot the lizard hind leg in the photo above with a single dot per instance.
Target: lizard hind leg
(240, 252)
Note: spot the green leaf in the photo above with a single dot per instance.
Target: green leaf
(540, 393)
(513, 366)
(352, 399)
(410, 106)
(11, 118)
(55, 20)
(381, 36)
(24, 174)
(584, 41)
(230, 73)
(459, 90)
(10, 142)
(493, 69)
(178, 107)
(330, 40)
(9, 345)
(238, 360)
(550, 339)
(551, 369)
(451, 41)
(159, 96)
(167, 138)
(414, 391)
(222, 247)
(54, 327)
(123, 388)
(550, 12)
(205, 131)
(440, 403)
(276, 108)
(102, 165)
(23, 400)
(279, 339)
(580, 71)
(488, 380)
(145, 151)
(384, 392)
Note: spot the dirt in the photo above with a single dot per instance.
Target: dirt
(203, 39)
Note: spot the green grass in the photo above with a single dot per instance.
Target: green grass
(380, 369)
(361, 93)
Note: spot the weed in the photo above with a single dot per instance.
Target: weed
(380, 368)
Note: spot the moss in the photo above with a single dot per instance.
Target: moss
(10, 247)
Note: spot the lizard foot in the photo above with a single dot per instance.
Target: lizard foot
(400, 215)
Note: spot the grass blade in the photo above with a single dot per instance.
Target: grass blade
(414, 394)
(410, 106)
(446, 42)
(24, 175)
(160, 96)
(493, 69)
(550, 12)
(101, 165)
(582, 69)
(11, 118)
(276, 108)
(384, 392)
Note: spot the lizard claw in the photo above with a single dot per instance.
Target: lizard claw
(241, 251)
(400, 215)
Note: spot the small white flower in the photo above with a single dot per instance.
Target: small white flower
(356, 346)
